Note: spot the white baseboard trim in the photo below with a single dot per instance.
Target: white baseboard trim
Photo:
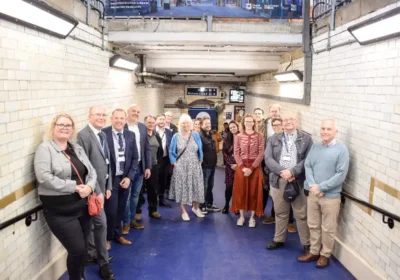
(54, 269)
(354, 262)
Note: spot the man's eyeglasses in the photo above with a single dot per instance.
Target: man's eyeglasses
(277, 124)
(61, 125)
(100, 115)
(288, 120)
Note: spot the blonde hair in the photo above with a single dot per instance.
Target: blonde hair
(255, 126)
(184, 118)
(50, 129)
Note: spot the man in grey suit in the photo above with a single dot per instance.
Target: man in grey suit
(94, 142)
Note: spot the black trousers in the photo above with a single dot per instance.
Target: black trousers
(228, 194)
(115, 208)
(164, 177)
(151, 185)
(71, 225)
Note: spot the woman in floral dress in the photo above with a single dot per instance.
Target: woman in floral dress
(187, 178)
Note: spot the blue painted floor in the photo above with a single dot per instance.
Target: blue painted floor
(212, 248)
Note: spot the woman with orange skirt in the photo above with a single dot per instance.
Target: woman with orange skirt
(248, 182)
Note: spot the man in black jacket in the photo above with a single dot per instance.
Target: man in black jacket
(208, 165)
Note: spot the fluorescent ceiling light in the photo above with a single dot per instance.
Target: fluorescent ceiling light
(290, 76)
(206, 74)
(379, 28)
(123, 63)
(37, 15)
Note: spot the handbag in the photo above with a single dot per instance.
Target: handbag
(292, 191)
(184, 149)
(94, 205)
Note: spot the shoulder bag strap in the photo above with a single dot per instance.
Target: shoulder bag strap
(187, 144)
(73, 166)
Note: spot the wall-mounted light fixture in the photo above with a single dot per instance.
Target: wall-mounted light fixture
(37, 15)
(216, 74)
(289, 76)
(382, 27)
(124, 63)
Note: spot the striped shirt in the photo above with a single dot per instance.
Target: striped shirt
(249, 148)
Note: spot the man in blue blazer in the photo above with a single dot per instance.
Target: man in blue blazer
(166, 137)
(124, 166)
(143, 147)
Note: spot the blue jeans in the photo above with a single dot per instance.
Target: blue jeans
(133, 197)
(208, 176)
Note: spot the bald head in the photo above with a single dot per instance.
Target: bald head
(328, 131)
(168, 117)
(133, 114)
(97, 117)
(274, 110)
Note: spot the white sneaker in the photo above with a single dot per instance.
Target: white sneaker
(240, 222)
(185, 217)
(252, 222)
(198, 212)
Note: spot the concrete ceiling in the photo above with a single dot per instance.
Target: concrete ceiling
(243, 54)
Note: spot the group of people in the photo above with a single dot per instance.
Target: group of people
(118, 162)
(303, 178)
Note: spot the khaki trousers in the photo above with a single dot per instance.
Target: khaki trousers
(282, 210)
(322, 219)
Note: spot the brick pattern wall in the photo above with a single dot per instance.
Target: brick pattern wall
(360, 87)
(41, 76)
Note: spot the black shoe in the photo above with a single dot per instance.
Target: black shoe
(164, 204)
(275, 245)
(307, 249)
(226, 209)
(106, 272)
(203, 210)
(213, 208)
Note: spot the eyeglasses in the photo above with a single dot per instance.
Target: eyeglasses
(288, 120)
(61, 125)
(100, 115)
(275, 125)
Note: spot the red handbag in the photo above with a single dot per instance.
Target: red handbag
(94, 205)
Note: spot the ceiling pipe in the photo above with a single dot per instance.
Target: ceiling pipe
(143, 71)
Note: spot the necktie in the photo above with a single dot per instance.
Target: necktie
(121, 149)
(103, 146)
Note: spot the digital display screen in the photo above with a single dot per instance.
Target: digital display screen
(236, 96)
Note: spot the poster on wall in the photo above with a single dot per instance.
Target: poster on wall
(228, 116)
(239, 113)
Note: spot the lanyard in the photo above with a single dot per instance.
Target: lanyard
(286, 143)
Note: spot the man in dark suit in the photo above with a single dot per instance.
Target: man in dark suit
(166, 137)
(124, 166)
(94, 142)
(144, 170)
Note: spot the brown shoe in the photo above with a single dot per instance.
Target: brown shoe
(269, 220)
(308, 258)
(123, 241)
(108, 246)
(155, 215)
(136, 225)
(291, 228)
(125, 229)
(138, 217)
(322, 262)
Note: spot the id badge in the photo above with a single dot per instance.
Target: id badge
(107, 161)
(286, 158)
(121, 159)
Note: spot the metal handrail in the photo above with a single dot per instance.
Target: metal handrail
(390, 216)
(26, 215)
(324, 7)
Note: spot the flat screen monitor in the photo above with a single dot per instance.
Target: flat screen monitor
(236, 96)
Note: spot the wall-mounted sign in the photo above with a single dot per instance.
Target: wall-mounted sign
(202, 91)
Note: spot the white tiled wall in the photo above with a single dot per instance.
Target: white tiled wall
(41, 76)
(360, 87)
